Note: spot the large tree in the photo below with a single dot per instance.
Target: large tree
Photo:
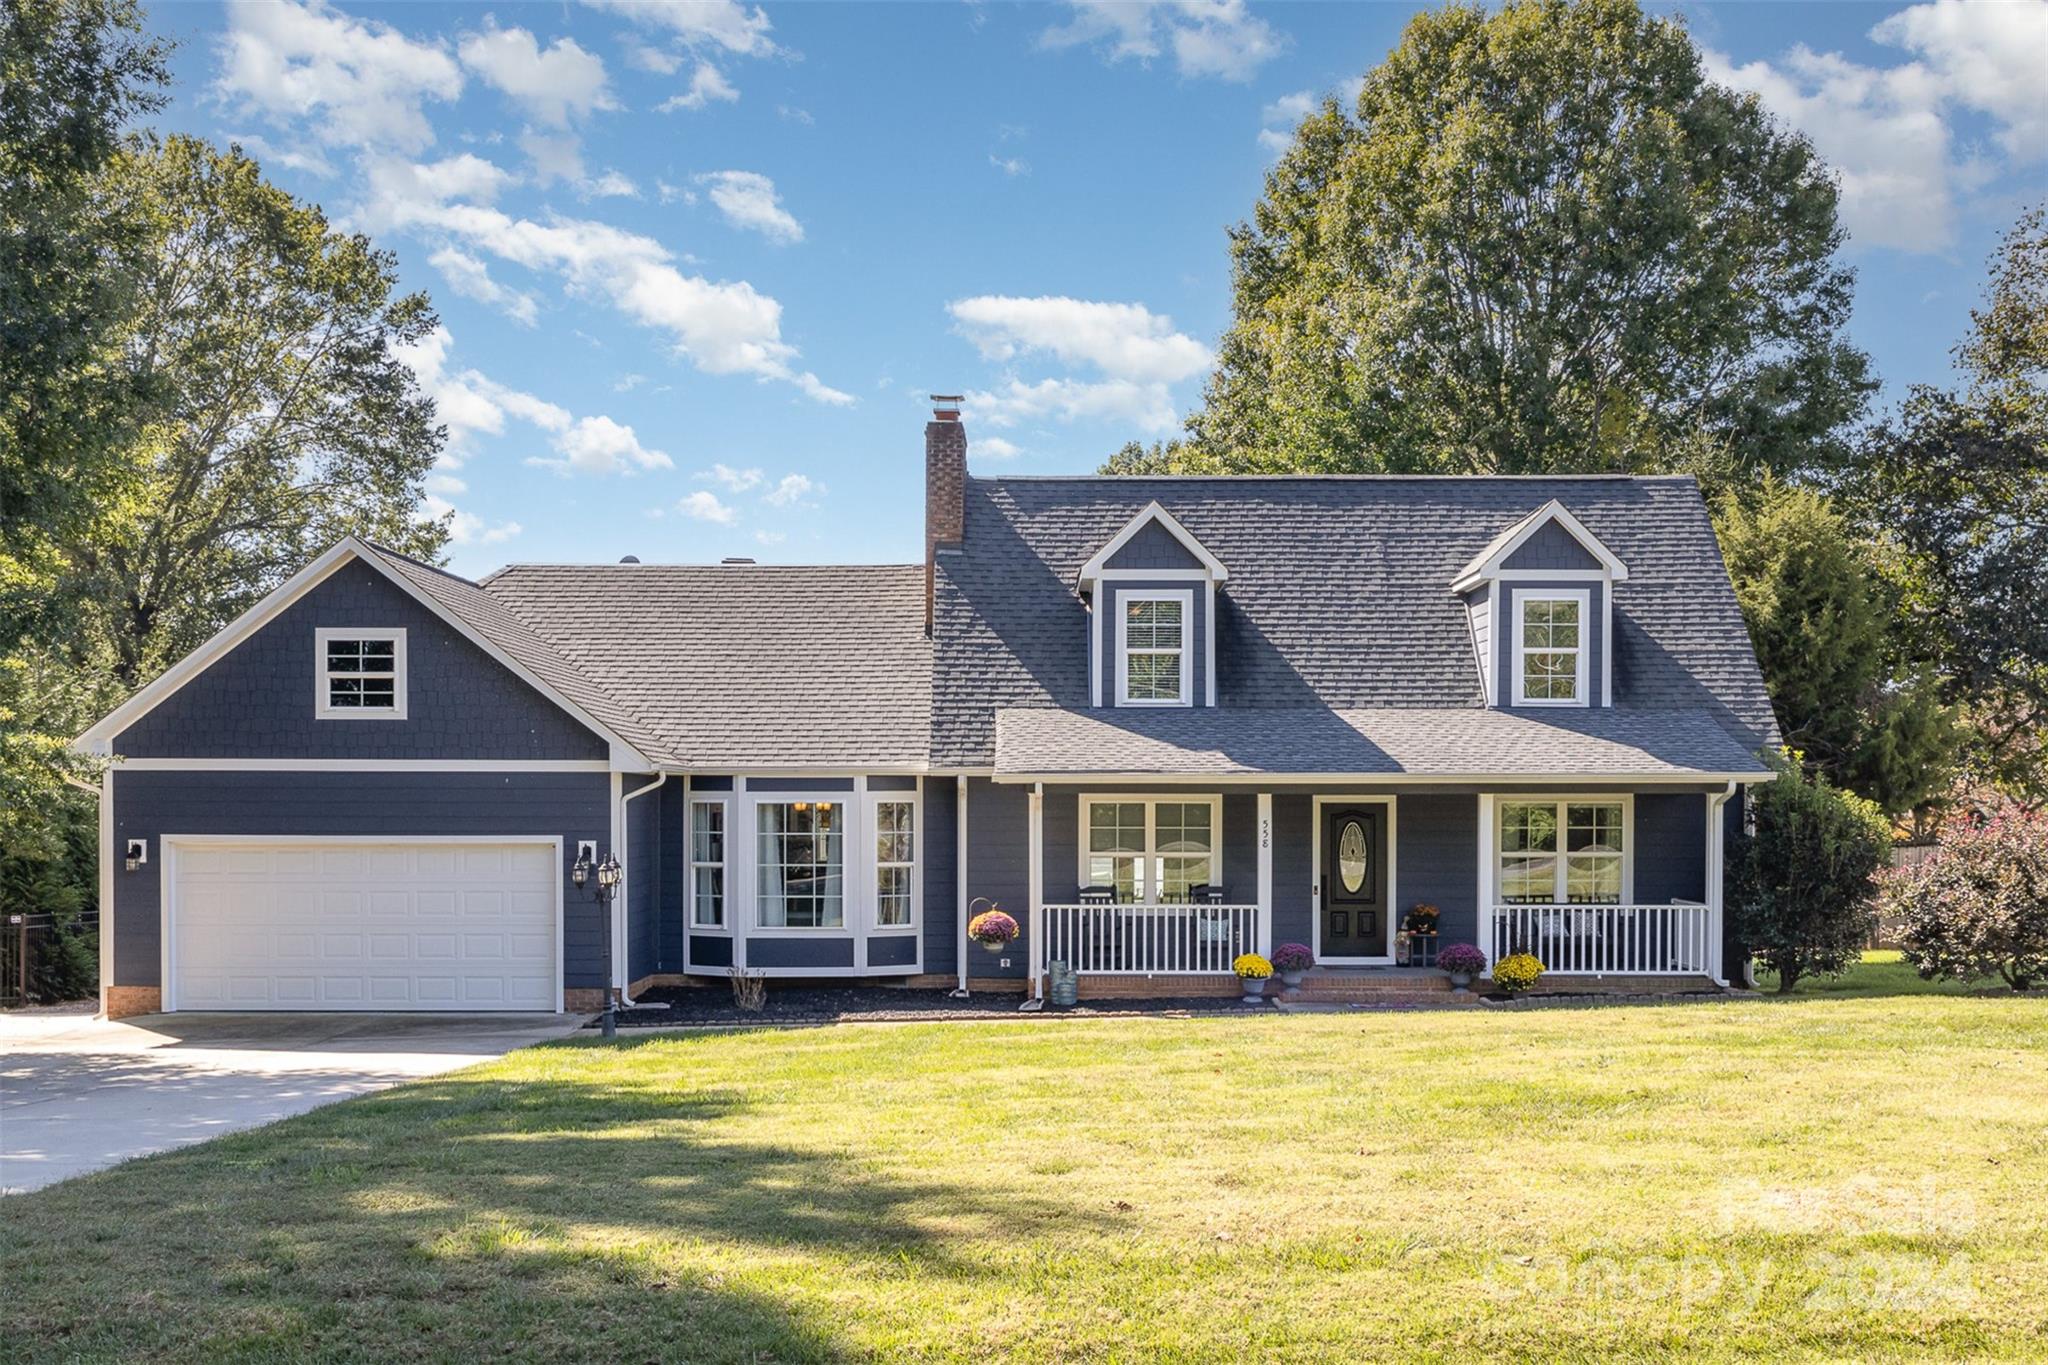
(1543, 241)
(284, 417)
(1848, 694)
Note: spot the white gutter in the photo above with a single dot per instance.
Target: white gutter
(625, 845)
(1717, 876)
(960, 883)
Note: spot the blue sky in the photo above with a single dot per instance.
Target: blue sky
(699, 263)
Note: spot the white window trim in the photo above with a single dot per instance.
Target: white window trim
(1186, 598)
(1151, 801)
(724, 927)
(874, 864)
(1502, 800)
(322, 710)
(1521, 601)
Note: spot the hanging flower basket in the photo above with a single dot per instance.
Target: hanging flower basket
(992, 929)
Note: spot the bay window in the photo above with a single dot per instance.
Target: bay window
(1149, 851)
(895, 823)
(1564, 852)
(707, 864)
(800, 864)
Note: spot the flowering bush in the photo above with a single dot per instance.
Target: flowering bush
(1517, 971)
(1461, 957)
(1978, 908)
(1252, 967)
(992, 926)
(1421, 918)
(1293, 957)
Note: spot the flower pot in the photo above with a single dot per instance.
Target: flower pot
(1292, 979)
(1461, 981)
(1254, 988)
(993, 945)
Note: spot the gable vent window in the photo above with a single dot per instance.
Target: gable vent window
(1152, 649)
(359, 674)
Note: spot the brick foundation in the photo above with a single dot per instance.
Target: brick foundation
(945, 981)
(125, 1002)
(1154, 987)
(583, 999)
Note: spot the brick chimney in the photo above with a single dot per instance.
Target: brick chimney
(945, 488)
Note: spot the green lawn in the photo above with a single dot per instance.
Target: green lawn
(1883, 971)
(1812, 1177)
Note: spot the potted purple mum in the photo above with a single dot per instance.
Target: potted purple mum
(1292, 961)
(992, 929)
(1463, 961)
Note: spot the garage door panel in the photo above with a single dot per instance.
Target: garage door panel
(365, 927)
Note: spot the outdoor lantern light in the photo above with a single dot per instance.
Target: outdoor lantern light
(580, 873)
(608, 873)
(138, 854)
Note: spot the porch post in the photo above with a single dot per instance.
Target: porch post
(1717, 872)
(1036, 916)
(1487, 839)
(1265, 874)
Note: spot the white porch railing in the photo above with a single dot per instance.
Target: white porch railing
(1150, 940)
(1609, 940)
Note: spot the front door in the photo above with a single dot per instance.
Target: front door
(1354, 880)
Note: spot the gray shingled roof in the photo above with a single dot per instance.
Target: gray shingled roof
(1412, 741)
(1339, 595)
(745, 666)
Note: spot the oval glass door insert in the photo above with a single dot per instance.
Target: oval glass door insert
(1351, 856)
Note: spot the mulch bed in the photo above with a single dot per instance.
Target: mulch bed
(798, 1003)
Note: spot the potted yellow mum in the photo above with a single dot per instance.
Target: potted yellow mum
(1253, 972)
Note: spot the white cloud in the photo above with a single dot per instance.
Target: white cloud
(791, 488)
(464, 176)
(1888, 132)
(338, 79)
(467, 528)
(736, 480)
(653, 59)
(993, 448)
(447, 485)
(1010, 165)
(469, 277)
(611, 185)
(795, 115)
(724, 327)
(598, 445)
(1221, 38)
(305, 159)
(705, 506)
(1147, 406)
(1284, 115)
(554, 156)
(707, 84)
(748, 200)
(470, 403)
(1124, 340)
(552, 85)
(700, 23)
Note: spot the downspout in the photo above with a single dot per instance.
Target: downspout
(960, 883)
(1717, 876)
(626, 844)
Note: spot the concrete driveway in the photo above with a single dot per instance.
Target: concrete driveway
(79, 1093)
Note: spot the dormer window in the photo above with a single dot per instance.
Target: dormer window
(1550, 649)
(1154, 654)
(359, 674)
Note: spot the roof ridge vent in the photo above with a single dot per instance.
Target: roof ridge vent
(737, 559)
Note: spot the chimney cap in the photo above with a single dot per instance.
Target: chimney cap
(946, 406)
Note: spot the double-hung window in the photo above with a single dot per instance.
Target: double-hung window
(1571, 852)
(1149, 851)
(895, 824)
(359, 674)
(707, 864)
(1154, 652)
(1550, 649)
(800, 864)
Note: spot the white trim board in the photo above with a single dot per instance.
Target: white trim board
(1581, 653)
(1185, 597)
(363, 765)
(1326, 780)
(1098, 563)
(100, 737)
(1490, 560)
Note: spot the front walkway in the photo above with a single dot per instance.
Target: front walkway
(79, 1093)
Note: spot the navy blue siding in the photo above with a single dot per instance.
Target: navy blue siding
(941, 874)
(257, 700)
(1106, 595)
(672, 918)
(1153, 547)
(710, 952)
(799, 784)
(1595, 633)
(643, 879)
(1437, 861)
(711, 784)
(892, 782)
(1671, 847)
(799, 952)
(1552, 547)
(149, 805)
(999, 866)
(891, 950)
(1294, 904)
(1240, 845)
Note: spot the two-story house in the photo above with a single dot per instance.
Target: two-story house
(1161, 721)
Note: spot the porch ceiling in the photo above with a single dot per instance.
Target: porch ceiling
(1432, 742)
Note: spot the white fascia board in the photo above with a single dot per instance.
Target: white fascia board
(1331, 780)
(1095, 566)
(1488, 565)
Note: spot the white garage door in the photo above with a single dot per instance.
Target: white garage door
(363, 926)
